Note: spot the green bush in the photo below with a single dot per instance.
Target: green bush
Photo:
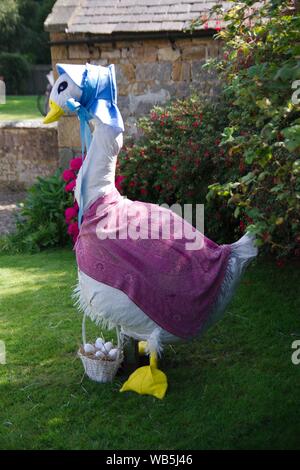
(260, 66)
(40, 221)
(15, 70)
(178, 157)
(241, 152)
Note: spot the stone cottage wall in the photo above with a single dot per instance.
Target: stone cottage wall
(148, 72)
(27, 149)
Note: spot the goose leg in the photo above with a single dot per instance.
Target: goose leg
(142, 347)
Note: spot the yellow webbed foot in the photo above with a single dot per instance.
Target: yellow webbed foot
(147, 380)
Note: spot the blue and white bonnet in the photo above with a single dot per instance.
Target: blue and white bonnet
(99, 92)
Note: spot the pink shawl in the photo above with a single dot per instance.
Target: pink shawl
(176, 287)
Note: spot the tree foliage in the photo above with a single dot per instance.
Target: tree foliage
(261, 72)
(22, 28)
(9, 17)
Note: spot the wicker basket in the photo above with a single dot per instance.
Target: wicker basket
(97, 369)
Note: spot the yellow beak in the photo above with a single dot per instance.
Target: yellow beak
(54, 113)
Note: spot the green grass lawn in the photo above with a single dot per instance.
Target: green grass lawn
(236, 388)
(18, 108)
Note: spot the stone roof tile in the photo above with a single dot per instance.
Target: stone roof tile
(108, 16)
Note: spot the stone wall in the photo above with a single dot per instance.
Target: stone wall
(148, 72)
(27, 149)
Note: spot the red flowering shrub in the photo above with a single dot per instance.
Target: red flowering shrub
(241, 154)
(178, 157)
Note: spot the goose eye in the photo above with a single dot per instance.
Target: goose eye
(62, 86)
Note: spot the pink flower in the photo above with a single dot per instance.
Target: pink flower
(68, 175)
(73, 229)
(118, 181)
(70, 213)
(218, 26)
(75, 205)
(70, 186)
(75, 163)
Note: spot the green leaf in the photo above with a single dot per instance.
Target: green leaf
(237, 212)
(292, 137)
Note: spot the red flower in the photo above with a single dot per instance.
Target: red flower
(68, 175)
(157, 187)
(242, 226)
(174, 167)
(195, 124)
(73, 229)
(280, 263)
(144, 191)
(118, 181)
(70, 186)
(70, 213)
(206, 153)
(142, 153)
(242, 167)
(132, 183)
(75, 163)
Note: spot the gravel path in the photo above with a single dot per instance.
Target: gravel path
(8, 205)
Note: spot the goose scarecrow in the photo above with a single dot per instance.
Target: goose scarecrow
(141, 267)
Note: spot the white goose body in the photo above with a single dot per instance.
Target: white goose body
(107, 305)
(91, 91)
